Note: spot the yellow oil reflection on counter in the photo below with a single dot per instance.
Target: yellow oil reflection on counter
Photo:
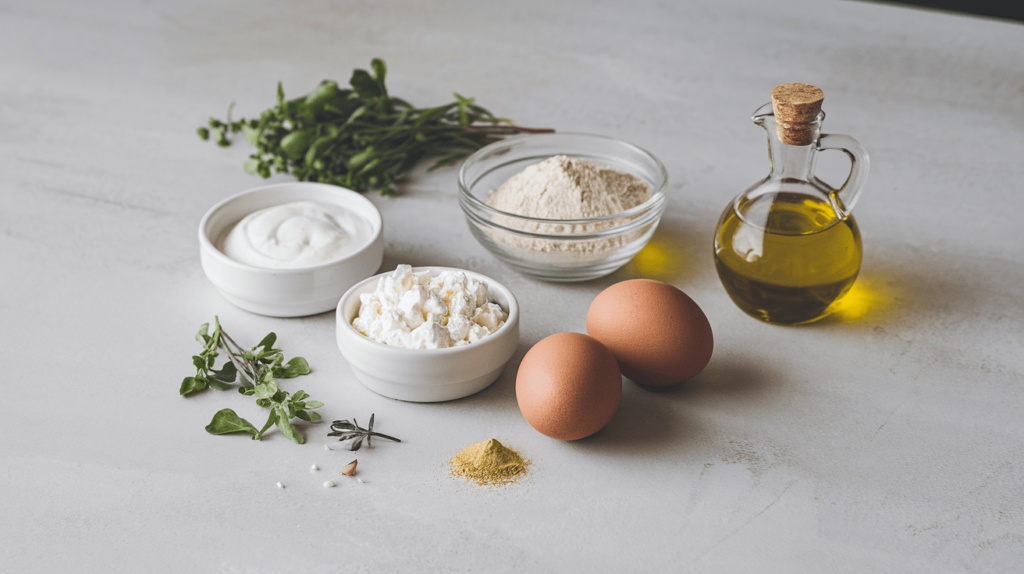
(659, 259)
(867, 296)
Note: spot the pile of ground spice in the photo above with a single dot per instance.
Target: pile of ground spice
(489, 463)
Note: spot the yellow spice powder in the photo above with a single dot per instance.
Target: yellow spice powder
(489, 463)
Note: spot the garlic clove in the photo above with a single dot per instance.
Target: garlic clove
(350, 468)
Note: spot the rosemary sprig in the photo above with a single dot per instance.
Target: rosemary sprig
(360, 137)
(345, 430)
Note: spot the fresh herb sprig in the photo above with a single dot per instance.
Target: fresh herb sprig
(258, 367)
(360, 137)
(345, 430)
(206, 375)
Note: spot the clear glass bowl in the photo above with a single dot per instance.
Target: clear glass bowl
(560, 249)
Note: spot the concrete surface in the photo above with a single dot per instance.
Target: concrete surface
(889, 438)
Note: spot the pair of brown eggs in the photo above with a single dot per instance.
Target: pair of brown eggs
(569, 385)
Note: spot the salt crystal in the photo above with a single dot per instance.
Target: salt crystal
(329, 484)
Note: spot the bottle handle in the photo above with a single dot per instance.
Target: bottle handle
(846, 196)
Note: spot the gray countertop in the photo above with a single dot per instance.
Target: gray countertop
(889, 437)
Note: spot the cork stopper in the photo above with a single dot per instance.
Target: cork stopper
(796, 106)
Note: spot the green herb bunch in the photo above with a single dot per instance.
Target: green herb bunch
(360, 137)
(259, 367)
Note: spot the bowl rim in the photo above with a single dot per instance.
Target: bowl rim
(657, 195)
(353, 334)
(206, 243)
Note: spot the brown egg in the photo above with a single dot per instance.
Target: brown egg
(568, 386)
(658, 334)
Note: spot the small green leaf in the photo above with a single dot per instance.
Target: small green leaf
(299, 395)
(263, 403)
(221, 137)
(201, 335)
(295, 367)
(364, 85)
(311, 417)
(318, 98)
(227, 373)
(313, 404)
(219, 385)
(361, 157)
(286, 427)
(201, 383)
(247, 390)
(252, 166)
(295, 144)
(227, 422)
(252, 134)
(380, 69)
(204, 134)
(270, 422)
(188, 386)
(266, 390)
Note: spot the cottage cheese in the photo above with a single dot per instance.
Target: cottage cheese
(417, 311)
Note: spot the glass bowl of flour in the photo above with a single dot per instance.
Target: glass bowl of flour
(563, 206)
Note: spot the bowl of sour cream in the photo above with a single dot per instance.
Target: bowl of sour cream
(290, 249)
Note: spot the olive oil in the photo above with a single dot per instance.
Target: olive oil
(788, 257)
(788, 247)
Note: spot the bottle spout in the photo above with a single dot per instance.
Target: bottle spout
(763, 116)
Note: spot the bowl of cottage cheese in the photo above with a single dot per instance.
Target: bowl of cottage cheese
(428, 334)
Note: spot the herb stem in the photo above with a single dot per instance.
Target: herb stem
(243, 367)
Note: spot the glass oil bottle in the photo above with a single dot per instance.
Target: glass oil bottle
(788, 247)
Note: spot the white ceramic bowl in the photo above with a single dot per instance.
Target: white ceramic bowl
(428, 375)
(287, 292)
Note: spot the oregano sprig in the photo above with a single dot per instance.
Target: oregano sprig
(258, 368)
(206, 375)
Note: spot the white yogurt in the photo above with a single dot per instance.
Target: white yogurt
(295, 235)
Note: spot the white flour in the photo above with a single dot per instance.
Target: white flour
(563, 187)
